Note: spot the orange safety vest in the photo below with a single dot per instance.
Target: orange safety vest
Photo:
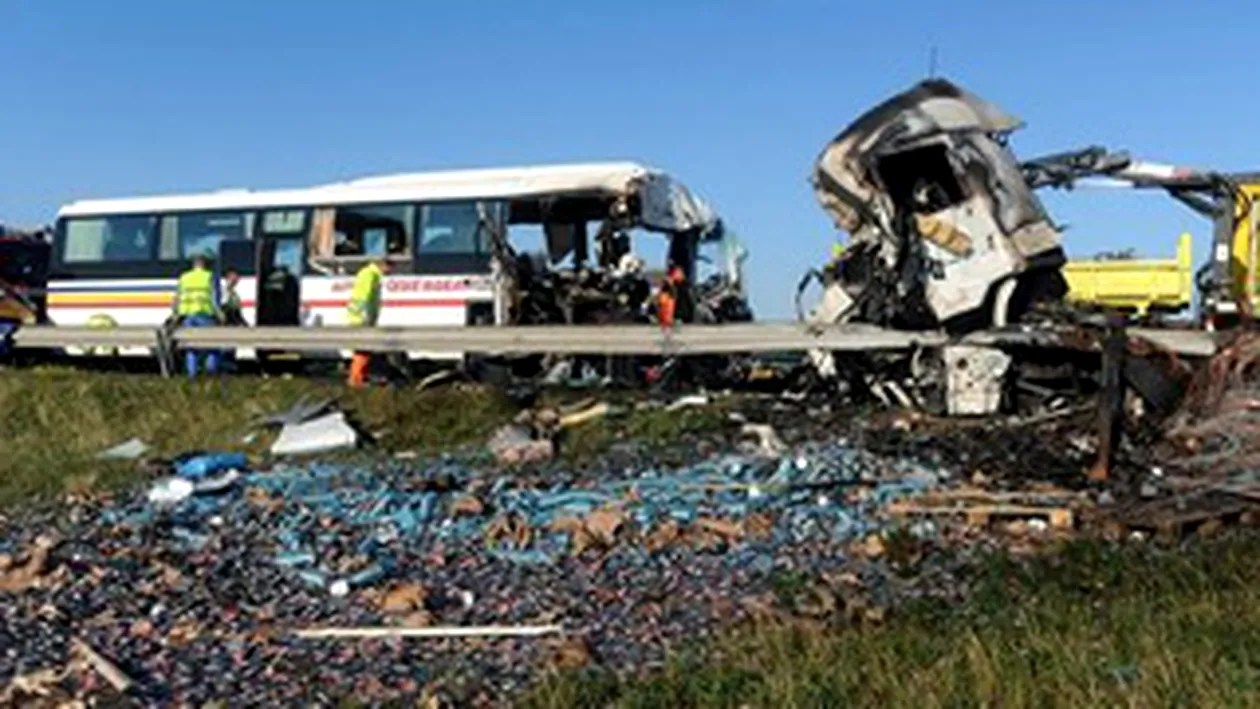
(667, 300)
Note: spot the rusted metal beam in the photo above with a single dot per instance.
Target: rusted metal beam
(1111, 397)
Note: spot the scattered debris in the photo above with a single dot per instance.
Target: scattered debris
(467, 505)
(769, 444)
(690, 400)
(24, 688)
(874, 546)
(439, 378)
(630, 552)
(106, 669)
(585, 415)
(975, 377)
(329, 432)
(979, 507)
(515, 444)
(404, 599)
(1172, 518)
(486, 631)
(596, 530)
(571, 653)
(31, 573)
(199, 467)
(171, 491)
(129, 450)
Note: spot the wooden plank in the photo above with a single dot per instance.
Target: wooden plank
(980, 515)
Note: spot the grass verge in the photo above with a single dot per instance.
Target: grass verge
(56, 421)
(1091, 626)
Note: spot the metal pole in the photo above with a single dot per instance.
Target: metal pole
(1111, 396)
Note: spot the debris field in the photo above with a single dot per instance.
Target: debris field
(317, 572)
(306, 579)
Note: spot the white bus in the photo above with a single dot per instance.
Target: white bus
(449, 237)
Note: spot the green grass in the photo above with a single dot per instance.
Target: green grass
(57, 420)
(651, 426)
(1092, 626)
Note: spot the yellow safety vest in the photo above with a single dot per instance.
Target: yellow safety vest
(365, 300)
(195, 294)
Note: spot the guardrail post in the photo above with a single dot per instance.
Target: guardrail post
(165, 355)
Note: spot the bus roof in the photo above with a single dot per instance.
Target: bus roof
(666, 204)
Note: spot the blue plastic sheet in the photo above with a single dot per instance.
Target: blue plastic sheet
(203, 466)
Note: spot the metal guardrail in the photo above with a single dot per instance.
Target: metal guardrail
(568, 339)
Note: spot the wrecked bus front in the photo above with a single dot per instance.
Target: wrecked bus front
(944, 230)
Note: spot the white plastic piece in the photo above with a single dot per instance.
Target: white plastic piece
(974, 379)
(128, 450)
(325, 433)
(171, 491)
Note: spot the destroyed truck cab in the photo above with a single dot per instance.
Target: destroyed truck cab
(944, 231)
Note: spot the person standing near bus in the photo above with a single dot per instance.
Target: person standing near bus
(231, 305)
(364, 310)
(197, 305)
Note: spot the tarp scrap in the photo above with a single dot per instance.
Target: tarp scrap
(327, 433)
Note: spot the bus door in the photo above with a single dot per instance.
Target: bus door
(281, 253)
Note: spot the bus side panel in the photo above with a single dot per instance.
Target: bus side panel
(407, 301)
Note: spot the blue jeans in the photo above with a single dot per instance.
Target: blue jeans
(191, 356)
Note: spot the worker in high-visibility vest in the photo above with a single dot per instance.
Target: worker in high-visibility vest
(197, 305)
(364, 310)
(668, 296)
(832, 270)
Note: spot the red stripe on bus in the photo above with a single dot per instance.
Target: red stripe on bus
(436, 303)
(447, 303)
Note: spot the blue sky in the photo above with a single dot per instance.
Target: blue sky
(106, 99)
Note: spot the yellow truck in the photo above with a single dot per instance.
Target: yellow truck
(1227, 286)
(1141, 286)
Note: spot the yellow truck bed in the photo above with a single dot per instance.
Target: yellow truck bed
(1139, 285)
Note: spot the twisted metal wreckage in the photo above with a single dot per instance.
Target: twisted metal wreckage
(947, 233)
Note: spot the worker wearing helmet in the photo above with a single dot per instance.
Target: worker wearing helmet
(197, 305)
(364, 310)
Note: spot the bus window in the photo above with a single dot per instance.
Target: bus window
(288, 256)
(373, 230)
(187, 235)
(105, 239)
(451, 229)
(284, 222)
